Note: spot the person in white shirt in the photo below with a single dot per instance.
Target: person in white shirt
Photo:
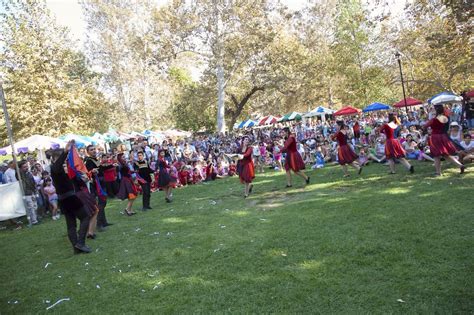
(467, 154)
(10, 173)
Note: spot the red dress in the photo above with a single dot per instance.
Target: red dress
(246, 167)
(293, 159)
(393, 148)
(345, 154)
(440, 144)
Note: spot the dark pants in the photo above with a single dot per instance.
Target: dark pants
(101, 219)
(102, 203)
(77, 237)
(146, 195)
(111, 189)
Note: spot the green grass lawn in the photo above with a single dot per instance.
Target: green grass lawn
(339, 245)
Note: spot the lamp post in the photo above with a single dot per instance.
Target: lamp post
(397, 55)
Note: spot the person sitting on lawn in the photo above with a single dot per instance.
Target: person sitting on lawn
(466, 155)
(377, 151)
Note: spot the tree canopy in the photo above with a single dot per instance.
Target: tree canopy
(204, 65)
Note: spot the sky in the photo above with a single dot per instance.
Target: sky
(69, 13)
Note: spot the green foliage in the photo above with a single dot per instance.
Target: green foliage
(337, 246)
(48, 88)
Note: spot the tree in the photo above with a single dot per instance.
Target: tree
(436, 50)
(48, 89)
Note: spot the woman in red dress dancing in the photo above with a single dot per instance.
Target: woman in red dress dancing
(440, 144)
(345, 154)
(393, 148)
(245, 166)
(127, 188)
(165, 181)
(293, 161)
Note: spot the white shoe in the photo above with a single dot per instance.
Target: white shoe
(54, 218)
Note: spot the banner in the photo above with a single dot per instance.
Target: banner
(11, 203)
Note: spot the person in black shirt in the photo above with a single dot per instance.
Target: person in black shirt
(93, 165)
(143, 169)
(70, 205)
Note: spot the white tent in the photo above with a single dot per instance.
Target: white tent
(36, 142)
(319, 111)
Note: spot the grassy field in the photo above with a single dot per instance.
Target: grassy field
(377, 243)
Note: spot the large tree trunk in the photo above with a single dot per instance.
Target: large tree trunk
(220, 98)
(239, 105)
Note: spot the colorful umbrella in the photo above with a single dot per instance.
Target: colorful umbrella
(410, 102)
(348, 110)
(445, 97)
(376, 106)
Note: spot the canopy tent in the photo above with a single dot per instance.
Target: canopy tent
(154, 135)
(348, 110)
(291, 116)
(124, 136)
(3, 152)
(319, 111)
(409, 102)
(33, 143)
(111, 136)
(80, 140)
(267, 120)
(445, 97)
(177, 133)
(376, 106)
(247, 124)
(98, 137)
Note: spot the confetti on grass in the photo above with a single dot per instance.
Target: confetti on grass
(46, 266)
(59, 301)
(401, 301)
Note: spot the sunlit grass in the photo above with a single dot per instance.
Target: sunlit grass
(339, 245)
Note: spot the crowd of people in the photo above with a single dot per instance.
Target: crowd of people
(127, 170)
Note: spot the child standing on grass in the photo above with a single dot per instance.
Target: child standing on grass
(50, 192)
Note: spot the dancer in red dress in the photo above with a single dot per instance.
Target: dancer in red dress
(393, 148)
(127, 188)
(345, 154)
(293, 161)
(440, 144)
(245, 166)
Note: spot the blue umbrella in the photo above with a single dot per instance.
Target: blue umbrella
(445, 97)
(376, 106)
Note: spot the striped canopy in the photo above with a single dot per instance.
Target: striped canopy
(291, 116)
(267, 120)
(319, 111)
(247, 123)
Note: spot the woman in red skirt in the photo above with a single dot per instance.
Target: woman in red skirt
(127, 188)
(245, 166)
(293, 161)
(165, 180)
(393, 148)
(440, 144)
(345, 154)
